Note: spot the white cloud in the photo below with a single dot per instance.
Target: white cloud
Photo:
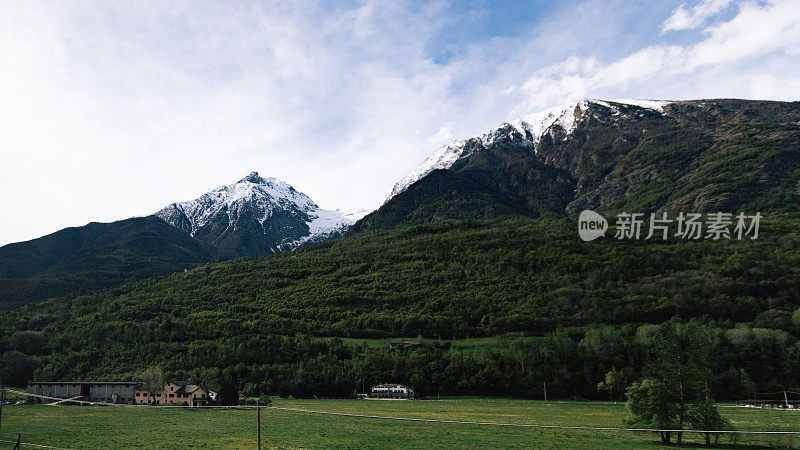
(733, 59)
(688, 19)
(113, 110)
(444, 135)
(110, 110)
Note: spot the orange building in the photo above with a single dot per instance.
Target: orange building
(177, 393)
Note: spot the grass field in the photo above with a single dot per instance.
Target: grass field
(125, 427)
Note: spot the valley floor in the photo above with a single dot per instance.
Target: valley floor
(126, 427)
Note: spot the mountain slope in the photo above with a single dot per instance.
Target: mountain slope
(95, 256)
(642, 156)
(532, 278)
(253, 217)
(256, 216)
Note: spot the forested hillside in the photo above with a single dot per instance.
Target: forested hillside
(570, 312)
(702, 155)
(95, 256)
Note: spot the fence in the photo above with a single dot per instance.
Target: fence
(60, 401)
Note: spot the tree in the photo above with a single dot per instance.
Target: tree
(677, 392)
(152, 381)
(29, 342)
(16, 369)
(649, 402)
(796, 317)
(681, 353)
(614, 383)
(228, 389)
(705, 416)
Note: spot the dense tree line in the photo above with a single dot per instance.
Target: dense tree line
(577, 316)
(596, 362)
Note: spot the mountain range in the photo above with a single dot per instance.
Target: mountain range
(635, 155)
(479, 241)
(253, 217)
(606, 155)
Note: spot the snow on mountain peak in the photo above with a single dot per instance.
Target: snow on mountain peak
(262, 199)
(252, 178)
(530, 127)
(656, 105)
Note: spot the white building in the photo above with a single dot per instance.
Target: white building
(391, 390)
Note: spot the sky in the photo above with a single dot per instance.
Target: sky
(110, 110)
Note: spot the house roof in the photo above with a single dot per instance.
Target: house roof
(189, 388)
(183, 387)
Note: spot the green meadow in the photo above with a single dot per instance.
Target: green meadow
(126, 427)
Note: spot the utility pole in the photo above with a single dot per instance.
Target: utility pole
(258, 415)
(545, 391)
(786, 399)
(2, 400)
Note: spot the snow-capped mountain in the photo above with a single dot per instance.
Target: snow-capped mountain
(587, 154)
(530, 128)
(257, 216)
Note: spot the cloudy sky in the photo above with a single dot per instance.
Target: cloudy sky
(114, 109)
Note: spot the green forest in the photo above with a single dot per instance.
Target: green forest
(504, 307)
(95, 256)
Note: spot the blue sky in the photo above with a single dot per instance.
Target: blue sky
(115, 109)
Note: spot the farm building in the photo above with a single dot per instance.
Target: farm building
(94, 391)
(177, 392)
(390, 390)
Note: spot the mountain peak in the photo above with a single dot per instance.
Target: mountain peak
(265, 211)
(253, 177)
(530, 128)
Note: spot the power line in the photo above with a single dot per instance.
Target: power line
(34, 445)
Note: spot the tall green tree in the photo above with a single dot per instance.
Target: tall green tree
(677, 393)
